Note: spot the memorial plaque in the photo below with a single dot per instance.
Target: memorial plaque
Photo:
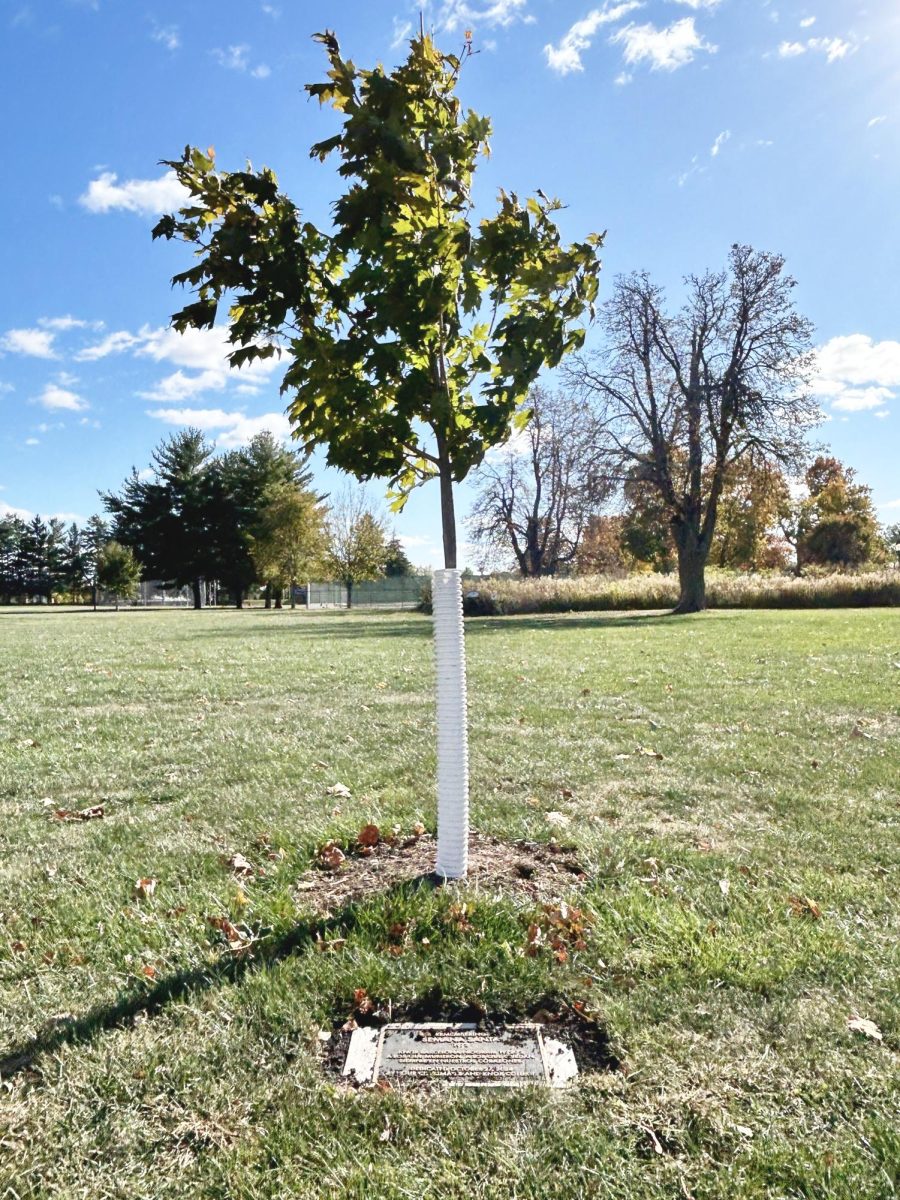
(459, 1055)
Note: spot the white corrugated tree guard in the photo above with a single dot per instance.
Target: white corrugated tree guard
(452, 731)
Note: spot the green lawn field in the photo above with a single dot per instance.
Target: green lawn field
(731, 782)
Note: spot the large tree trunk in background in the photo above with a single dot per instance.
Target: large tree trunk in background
(278, 597)
(197, 589)
(349, 585)
(268, 595)
(94, 596)
(692, 556)
(293, 593)
(238, 593)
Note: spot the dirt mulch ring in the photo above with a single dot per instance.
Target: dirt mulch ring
(538, 870)
(563, 1021)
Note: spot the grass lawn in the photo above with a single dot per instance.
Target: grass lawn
(743, 896)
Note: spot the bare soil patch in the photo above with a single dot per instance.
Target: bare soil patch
(537, 870)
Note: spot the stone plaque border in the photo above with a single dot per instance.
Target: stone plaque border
(363, 1060)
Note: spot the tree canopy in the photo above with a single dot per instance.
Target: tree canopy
(412, 334)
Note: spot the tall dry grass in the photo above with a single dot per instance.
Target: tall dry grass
(598, 593)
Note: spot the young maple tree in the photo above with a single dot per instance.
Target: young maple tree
(411, 333)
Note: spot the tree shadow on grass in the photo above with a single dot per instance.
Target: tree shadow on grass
(153, 1000)
(341, 627)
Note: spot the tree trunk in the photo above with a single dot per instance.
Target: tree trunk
(117, 603)
(692, 556)
(293, 593)
(238, 594)
(94, 596)
(448, 515)
(198, 593)
(349, 585)
(278, 597)
(268, 595)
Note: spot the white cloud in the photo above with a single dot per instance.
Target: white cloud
(857, 374)
(113, 343)
(458, 14)
(833, 48)
(665, 49)
(55, 397)
(890, 504)
(699, 5)
(231, 429)
(720, 141)
(199, 354)
(566, 57)
(32, 441)
(807, 22)
(237, 58)
(149, 197)
(8, 510)
(63, 324)
(167, 35)
(875, 121)
(36, 343)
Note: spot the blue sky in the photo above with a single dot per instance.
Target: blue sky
(680, 126)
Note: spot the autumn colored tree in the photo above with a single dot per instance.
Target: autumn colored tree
(837, 523)
(289, 541)
(747, 534)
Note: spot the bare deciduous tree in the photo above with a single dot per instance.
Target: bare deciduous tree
(537, 495)
(683, 397)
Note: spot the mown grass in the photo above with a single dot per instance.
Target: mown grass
(141, 1060)
(724, 589)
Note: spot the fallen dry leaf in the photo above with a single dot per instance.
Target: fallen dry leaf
(239, 865)
(867, 1028)
(369, 835)
(144, 888)
(418, 829)
(803, 906)
(83, 814)
(239, 941)
(331, 856)
(338, 789)
(557, 818)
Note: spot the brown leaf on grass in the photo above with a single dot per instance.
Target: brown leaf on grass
(144, 888)
(330, 856)
(362, 1001)
(418, 829)
(239, 865)
(858, 732)
(803, 906)
(646, 752)
(369, 835)
(458, 917)
(534, 940)
(329, 946)
(566, 793)
(239, 941)
(149, 971)
(18, 947)
(867, 1028)
(83, 814)
(338, 789)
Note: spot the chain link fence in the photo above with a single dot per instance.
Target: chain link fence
(397, 591)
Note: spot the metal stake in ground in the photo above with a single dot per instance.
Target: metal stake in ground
(452, 732)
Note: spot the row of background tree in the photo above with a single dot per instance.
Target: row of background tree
(246, 518)
(557, 502)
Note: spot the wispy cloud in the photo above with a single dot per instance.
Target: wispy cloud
(565, 57)
(452, 15)
(699, 5)
(875, 121)
(237, 58)
(664, 49)
(147, 197)
(167, 36)
(716, 148)
(833, 49)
